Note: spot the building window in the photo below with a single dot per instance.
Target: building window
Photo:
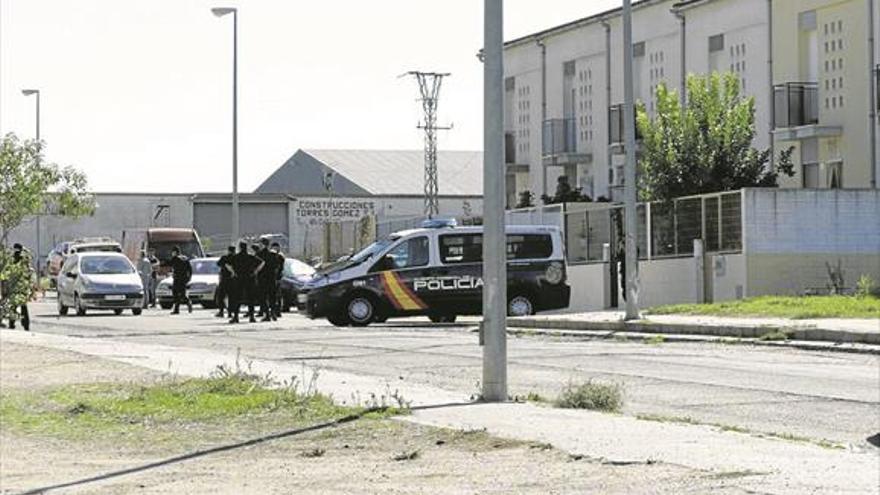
(716, 43)
(639, 49)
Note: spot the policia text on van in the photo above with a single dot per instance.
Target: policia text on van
(438, 273)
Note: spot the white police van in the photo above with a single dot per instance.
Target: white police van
(437, 272)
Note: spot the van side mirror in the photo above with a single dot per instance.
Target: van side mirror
(386, 263)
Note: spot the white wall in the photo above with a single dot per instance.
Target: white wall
(667, 281)
(589, 287)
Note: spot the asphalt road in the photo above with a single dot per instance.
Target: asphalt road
(819, 395)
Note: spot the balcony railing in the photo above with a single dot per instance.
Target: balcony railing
(796, 104)
(509, 148)
(560, 136)
(616, 133)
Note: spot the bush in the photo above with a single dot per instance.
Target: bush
(607, 397)
(866, 286)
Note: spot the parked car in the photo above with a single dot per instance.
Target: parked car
(201, 288)
(294, 277)
(99, 280)
(94, 244)
(162, 240)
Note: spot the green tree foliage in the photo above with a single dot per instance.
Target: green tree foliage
(565, 193)
(29, 186)
(526, 199)
(705, 146)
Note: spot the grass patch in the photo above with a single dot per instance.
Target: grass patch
(783, 307)
(605, 397)
(775, 335)
(164, 408)
(655, 340)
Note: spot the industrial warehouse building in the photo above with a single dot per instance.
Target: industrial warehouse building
(311, 189)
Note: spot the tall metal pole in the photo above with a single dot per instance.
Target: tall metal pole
(494, 241)
(220, 12)
(632, 268)
(235, 213)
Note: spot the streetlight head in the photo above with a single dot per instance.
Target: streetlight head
(28, 92)
(221, 11)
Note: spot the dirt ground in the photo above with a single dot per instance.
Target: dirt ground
(368, 456)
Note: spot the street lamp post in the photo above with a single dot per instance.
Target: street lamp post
(220, 12)
(36, 92)
(631, 260)
(494, 241)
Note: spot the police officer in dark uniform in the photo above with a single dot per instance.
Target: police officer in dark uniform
(279, 272)
(266, 281)
(223, 288)
(244, 267)
(182, 273)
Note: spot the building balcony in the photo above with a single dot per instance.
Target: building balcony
(616, 131)
(796, 107)
(559, 143)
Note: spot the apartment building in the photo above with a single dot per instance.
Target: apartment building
(564, 87)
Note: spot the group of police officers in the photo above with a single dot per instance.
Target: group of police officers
(245, 278)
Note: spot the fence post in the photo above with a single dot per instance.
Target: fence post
(700, 272)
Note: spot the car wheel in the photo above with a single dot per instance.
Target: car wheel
(117, 312)
(338, 321)
(520, 305)
(62, 309)
(360, 310)
(442, 318)
(80, 310)
(136, 311)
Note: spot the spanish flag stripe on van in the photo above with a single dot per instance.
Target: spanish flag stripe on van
(399, 294)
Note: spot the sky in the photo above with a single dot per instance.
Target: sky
(138, 94)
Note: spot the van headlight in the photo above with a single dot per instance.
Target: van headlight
(554, 273)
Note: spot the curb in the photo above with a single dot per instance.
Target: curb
(645, 338)
(740, 332)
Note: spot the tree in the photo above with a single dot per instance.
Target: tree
(29, 186)
(565, 193)
(705, 146)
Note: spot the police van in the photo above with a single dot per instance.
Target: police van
(437, 272)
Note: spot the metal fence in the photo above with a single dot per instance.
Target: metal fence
(664, 229)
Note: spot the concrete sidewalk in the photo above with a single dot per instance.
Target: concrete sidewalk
(844, 330)
(761, 464)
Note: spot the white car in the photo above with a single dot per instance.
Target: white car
(201, 288)
(99, 280)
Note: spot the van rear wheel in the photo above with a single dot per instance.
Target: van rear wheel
(442, 318)
(337, 321)
(520, 305)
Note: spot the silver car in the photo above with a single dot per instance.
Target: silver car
(201, 288)
(99, 280)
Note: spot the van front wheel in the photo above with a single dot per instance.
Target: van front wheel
(360, 310)
(520, 305)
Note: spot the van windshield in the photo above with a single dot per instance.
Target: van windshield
(371, 250)
(189, 249)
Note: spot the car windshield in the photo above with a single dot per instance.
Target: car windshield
(189, 249)
(204, 267)
(110, 265)
(296, 268)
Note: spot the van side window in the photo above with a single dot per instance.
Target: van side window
(409, 254)
(461, 248)
(529, 246)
